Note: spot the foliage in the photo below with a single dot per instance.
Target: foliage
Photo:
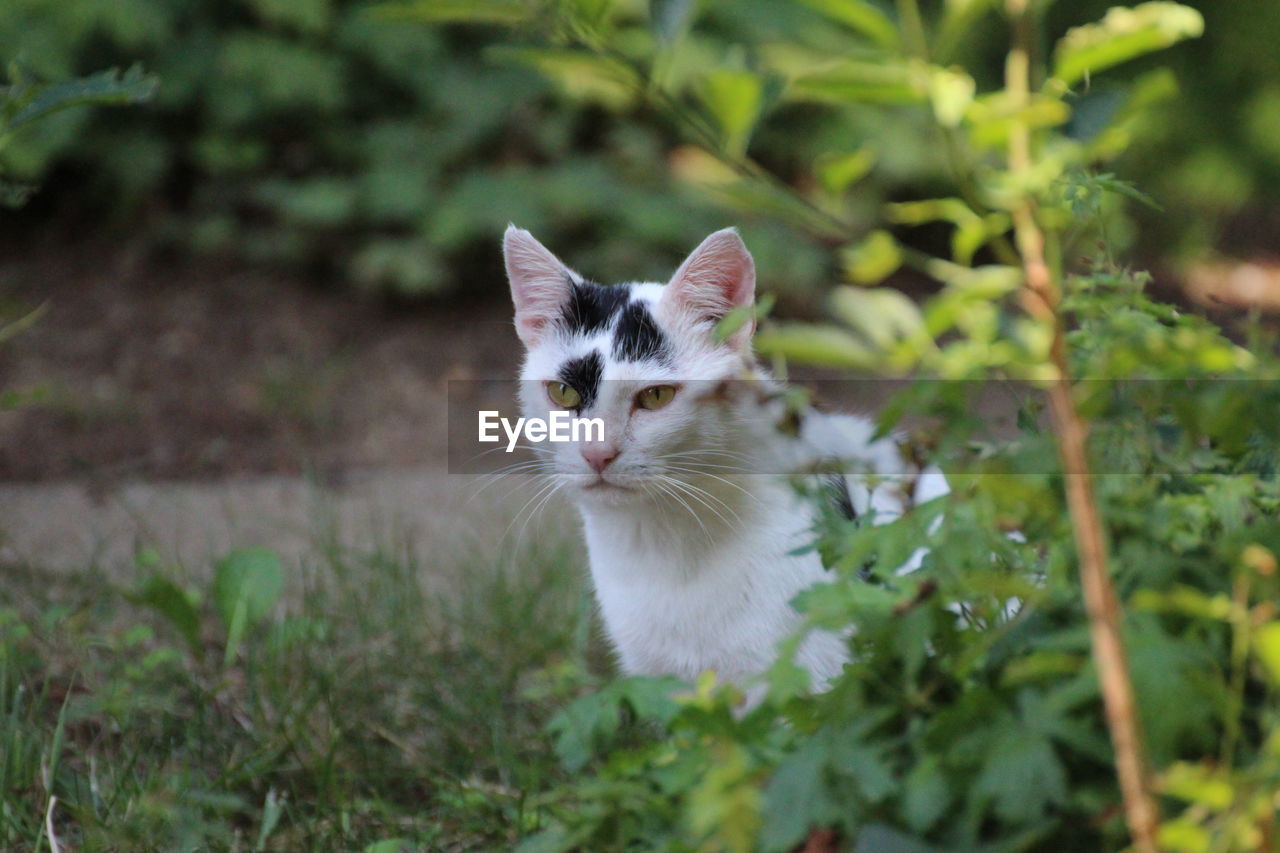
(972, 715)
(1209, 153)
(324, 136)
(357, 705)
(26, 101)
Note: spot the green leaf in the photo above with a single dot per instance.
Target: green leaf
(797, 798)
(1266, 641)
(741, 316)
(583, 76)
(164, 597)
(670, 18)
(951, 91)
(1123, 34)
(235, 632)
(391, 845)
(878, 838)
(39, 100)
(990, 117)
(862, 17)
(589, 722)
(734, 99)
(1198, 784)
(1184, 835)
(872, 260)
(827, 346)
(272, 811)
(882, 315)
(856, 82)
(1022, 774)
(247, 580)
(926, 794)
(303, 16)
(838, 171)
(507, 12)
(20, 325)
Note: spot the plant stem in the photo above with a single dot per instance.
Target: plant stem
(1041, 298)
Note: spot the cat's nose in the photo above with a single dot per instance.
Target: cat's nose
(599, 455)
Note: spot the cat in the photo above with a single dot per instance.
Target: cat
(695, 541)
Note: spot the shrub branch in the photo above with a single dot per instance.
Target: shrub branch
(1041, 298)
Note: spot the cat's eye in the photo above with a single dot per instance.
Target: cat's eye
(655, 397)
(564, 396)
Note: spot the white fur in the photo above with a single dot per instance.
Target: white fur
(691, 529)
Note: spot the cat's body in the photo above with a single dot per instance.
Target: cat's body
(695, 537)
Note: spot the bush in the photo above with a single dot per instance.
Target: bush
(320, 135)
(1088, 656)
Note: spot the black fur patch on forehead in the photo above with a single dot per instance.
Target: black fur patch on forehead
(592, 306)
(637, 337)
(584, 375)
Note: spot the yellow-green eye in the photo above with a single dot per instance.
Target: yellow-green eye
(564, 396)
(655, 397)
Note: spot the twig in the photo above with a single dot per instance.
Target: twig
(54, 846)
(1041, 299)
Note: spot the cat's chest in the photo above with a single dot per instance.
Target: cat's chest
(675, 609)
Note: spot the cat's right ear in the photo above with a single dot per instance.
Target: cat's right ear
(540, 284)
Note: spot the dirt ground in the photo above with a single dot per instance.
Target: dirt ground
(191, 408)
(138, 369)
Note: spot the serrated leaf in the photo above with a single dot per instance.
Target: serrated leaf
(1121, 35)
(1021, 775)
(797, 798)
(926, 794)
(591, 721)
(878, 838)
(40, 100)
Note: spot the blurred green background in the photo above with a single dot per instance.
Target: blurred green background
(386, 156)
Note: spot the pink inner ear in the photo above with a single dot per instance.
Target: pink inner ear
(716, 278)
(539, 283)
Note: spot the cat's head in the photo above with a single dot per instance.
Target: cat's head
(642, 357)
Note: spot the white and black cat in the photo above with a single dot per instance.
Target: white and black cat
(691, 532)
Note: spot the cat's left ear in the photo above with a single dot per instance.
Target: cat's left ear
(540, 283)
(716, 278)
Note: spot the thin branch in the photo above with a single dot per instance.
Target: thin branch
(1041, 298)
(55, 846)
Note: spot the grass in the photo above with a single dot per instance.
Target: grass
(381, 699)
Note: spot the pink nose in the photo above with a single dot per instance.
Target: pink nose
(599, 456)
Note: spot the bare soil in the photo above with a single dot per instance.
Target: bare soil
(144, 370)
